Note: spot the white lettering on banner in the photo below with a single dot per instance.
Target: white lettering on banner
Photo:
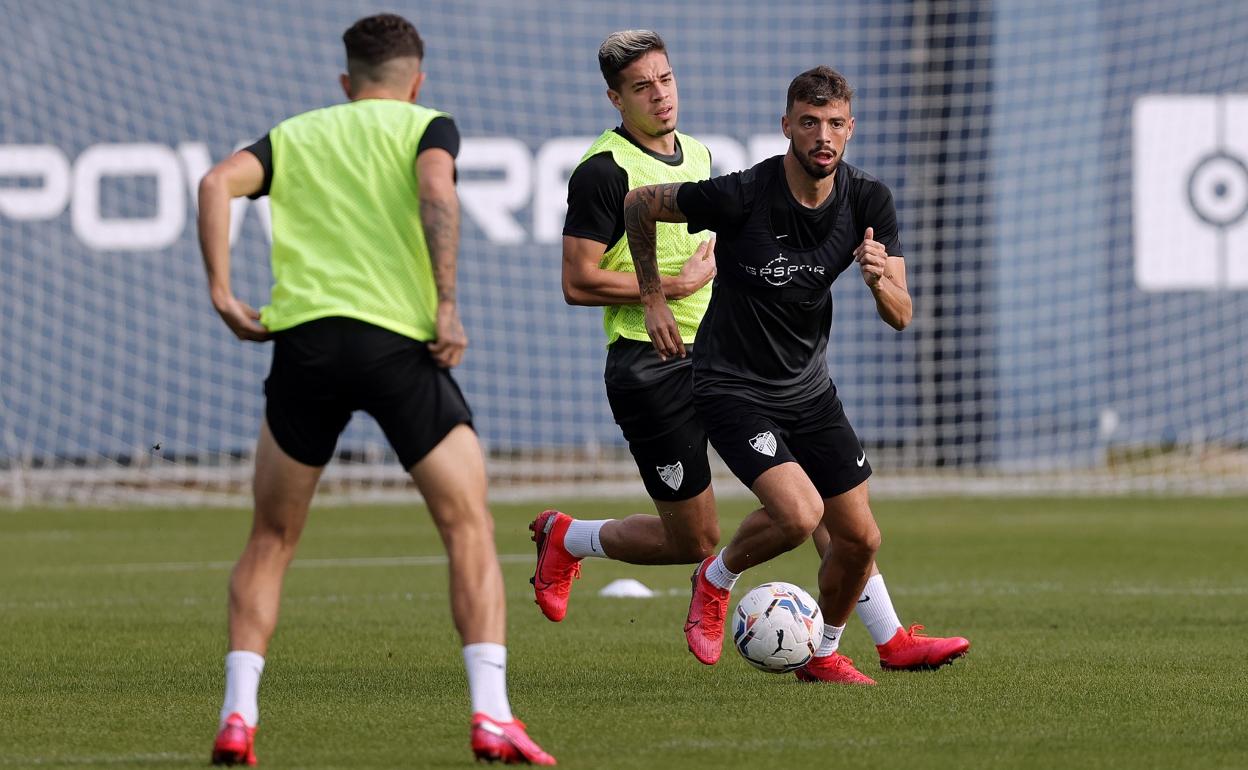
(555, 161)
(163, 228)
(763, 146)
(727, 154)
(197, 161)
(509, 178)
(43, 161)
(493, 203)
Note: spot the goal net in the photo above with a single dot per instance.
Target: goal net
(1071, 180)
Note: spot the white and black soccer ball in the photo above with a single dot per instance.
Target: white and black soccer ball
(777, 627)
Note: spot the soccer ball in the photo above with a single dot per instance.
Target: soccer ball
(777, 627)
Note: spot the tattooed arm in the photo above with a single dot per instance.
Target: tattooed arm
(643, 208)
(439, 215)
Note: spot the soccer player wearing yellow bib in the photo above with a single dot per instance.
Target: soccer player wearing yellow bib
(363, 317)
(652, 397)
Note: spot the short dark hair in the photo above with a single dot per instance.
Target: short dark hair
(819, 86)
(375, 40)
(621, 49)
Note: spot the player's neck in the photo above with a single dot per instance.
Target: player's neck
(663, 145)
(807, 190)
(378, 93)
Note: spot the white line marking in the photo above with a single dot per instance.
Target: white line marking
(100, 759)
(215, 600)
(678, 593)
(434, 560)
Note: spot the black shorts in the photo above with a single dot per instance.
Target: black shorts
(324, 370)
(652, 402)
(816, 434)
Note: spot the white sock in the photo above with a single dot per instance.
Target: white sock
(719, 575)
(487, 680)
(583, 538)
(242, 683)
(831, 640)
(875, 608)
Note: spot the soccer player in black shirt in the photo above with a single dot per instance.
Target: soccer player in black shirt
(786, 228)
(651, 398)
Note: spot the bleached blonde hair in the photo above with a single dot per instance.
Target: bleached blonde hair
(621, 49)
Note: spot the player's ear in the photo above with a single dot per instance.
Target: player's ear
(784, 126)
(344, 80)
(417, 82)
(850, 133)
(614, 96)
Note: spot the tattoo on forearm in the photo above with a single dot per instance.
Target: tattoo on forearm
(641, 244)
(440, 218)
(647, 207)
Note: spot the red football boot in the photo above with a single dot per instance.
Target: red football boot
(835, 668)
(704, 626)
(556, 568)
(909, 650)
(505, 742)
(235, 744)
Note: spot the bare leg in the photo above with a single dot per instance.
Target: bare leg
(854, 540)
(283, 489)
(791, 511)
(452, 480)
(822, 539)
(684, 532)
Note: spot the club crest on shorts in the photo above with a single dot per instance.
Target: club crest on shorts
(764, 443)
(672, 475)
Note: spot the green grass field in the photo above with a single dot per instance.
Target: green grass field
(1106, 633)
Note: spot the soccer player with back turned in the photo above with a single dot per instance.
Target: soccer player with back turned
(363, 317)
(652, 398)
(786, 228)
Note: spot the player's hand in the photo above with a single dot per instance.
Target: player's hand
(448, 349)
(871, 258)
(243, 319)
(663, 331)
(697, 271)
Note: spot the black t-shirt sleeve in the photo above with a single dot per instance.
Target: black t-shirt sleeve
(441, 133)
(719, 203)
(263, 150)
(596, 200)
(876, 211)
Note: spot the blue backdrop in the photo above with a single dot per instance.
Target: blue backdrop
(1003, 128)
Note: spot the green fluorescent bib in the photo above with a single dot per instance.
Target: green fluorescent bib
(674, 243)
(347, 235)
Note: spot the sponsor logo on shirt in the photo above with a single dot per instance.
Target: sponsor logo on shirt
(778, 272)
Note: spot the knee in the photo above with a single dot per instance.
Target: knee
(275, 535)
(700, 545)
(465, 520)
(861, 545)
(793, 533)
(799, 521)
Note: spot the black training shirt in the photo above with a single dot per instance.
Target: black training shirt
(765, 334)
(441, 133)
